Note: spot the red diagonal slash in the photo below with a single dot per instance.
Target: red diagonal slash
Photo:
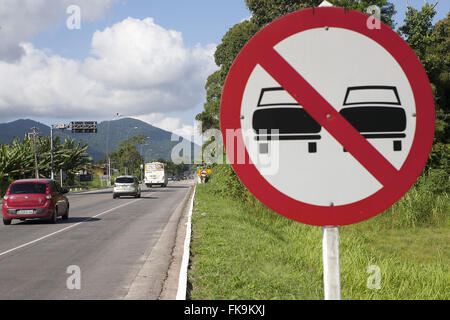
(328, 117)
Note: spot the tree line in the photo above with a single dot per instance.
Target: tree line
(128, 158)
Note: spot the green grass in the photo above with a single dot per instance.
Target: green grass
(95, 184)
(242, 251)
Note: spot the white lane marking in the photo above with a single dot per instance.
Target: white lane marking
(182, 279)
(66, 228)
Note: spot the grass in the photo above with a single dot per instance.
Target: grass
(94, 184)
(242, 251)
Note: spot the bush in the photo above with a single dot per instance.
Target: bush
(436, 181)
(439, 156)
(426, 203)
(225, 183)
(4, 184)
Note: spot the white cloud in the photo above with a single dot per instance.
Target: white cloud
(137, 68)
(174, 125)
(21, 19)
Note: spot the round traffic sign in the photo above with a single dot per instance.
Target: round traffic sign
(204, 173)
(335, 120)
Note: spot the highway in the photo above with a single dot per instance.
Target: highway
(101, 247)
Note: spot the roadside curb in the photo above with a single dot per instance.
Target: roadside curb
(175, 286)
(155, 279)
(183, 247)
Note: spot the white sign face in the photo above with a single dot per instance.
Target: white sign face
(363, 82)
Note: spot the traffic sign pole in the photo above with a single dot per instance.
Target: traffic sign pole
(331, 264)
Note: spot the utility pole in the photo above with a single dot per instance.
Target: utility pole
(52, 158)
(35, 153)
(52, 174)
(109, 171)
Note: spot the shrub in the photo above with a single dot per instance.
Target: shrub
(224, 182)
(4, 184)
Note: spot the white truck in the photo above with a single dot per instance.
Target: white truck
(155, 174)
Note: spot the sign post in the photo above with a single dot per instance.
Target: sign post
(331, 264)
(316, 132)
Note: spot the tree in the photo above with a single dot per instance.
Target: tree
(263, 12)
(431, 43)
(440, 77)
(418, 32)
(127, 156)
(17, 158)
(231, 45)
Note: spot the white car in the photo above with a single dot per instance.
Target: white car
(126, 186)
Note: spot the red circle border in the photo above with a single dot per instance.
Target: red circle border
(356, 21)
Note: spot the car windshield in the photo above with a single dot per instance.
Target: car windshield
(275, 96)
(124, 180)
(27, 188)
(372, 94)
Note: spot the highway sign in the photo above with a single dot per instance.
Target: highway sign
(336, 120)
(84, 126)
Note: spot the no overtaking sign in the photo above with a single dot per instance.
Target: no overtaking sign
(336, 119)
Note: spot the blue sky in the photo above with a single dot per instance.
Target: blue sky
(200, 21)
(50, 47)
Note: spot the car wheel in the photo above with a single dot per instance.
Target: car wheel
(66, 215)
(54, 217)
(7, 222)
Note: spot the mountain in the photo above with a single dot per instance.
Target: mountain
(19, 128)
(108, 138)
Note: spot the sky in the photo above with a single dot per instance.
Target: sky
(147, 59)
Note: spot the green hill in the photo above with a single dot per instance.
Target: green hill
(108, 138)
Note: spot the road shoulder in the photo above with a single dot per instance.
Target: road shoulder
(158, 276)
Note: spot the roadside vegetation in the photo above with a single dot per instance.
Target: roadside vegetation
(242, 250)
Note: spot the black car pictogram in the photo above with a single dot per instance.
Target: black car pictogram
(376, 112)
(277, 110)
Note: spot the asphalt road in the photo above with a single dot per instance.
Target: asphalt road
(103, 241)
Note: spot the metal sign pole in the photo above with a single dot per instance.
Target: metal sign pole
(331, 265)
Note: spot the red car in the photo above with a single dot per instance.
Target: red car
(35, 199)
